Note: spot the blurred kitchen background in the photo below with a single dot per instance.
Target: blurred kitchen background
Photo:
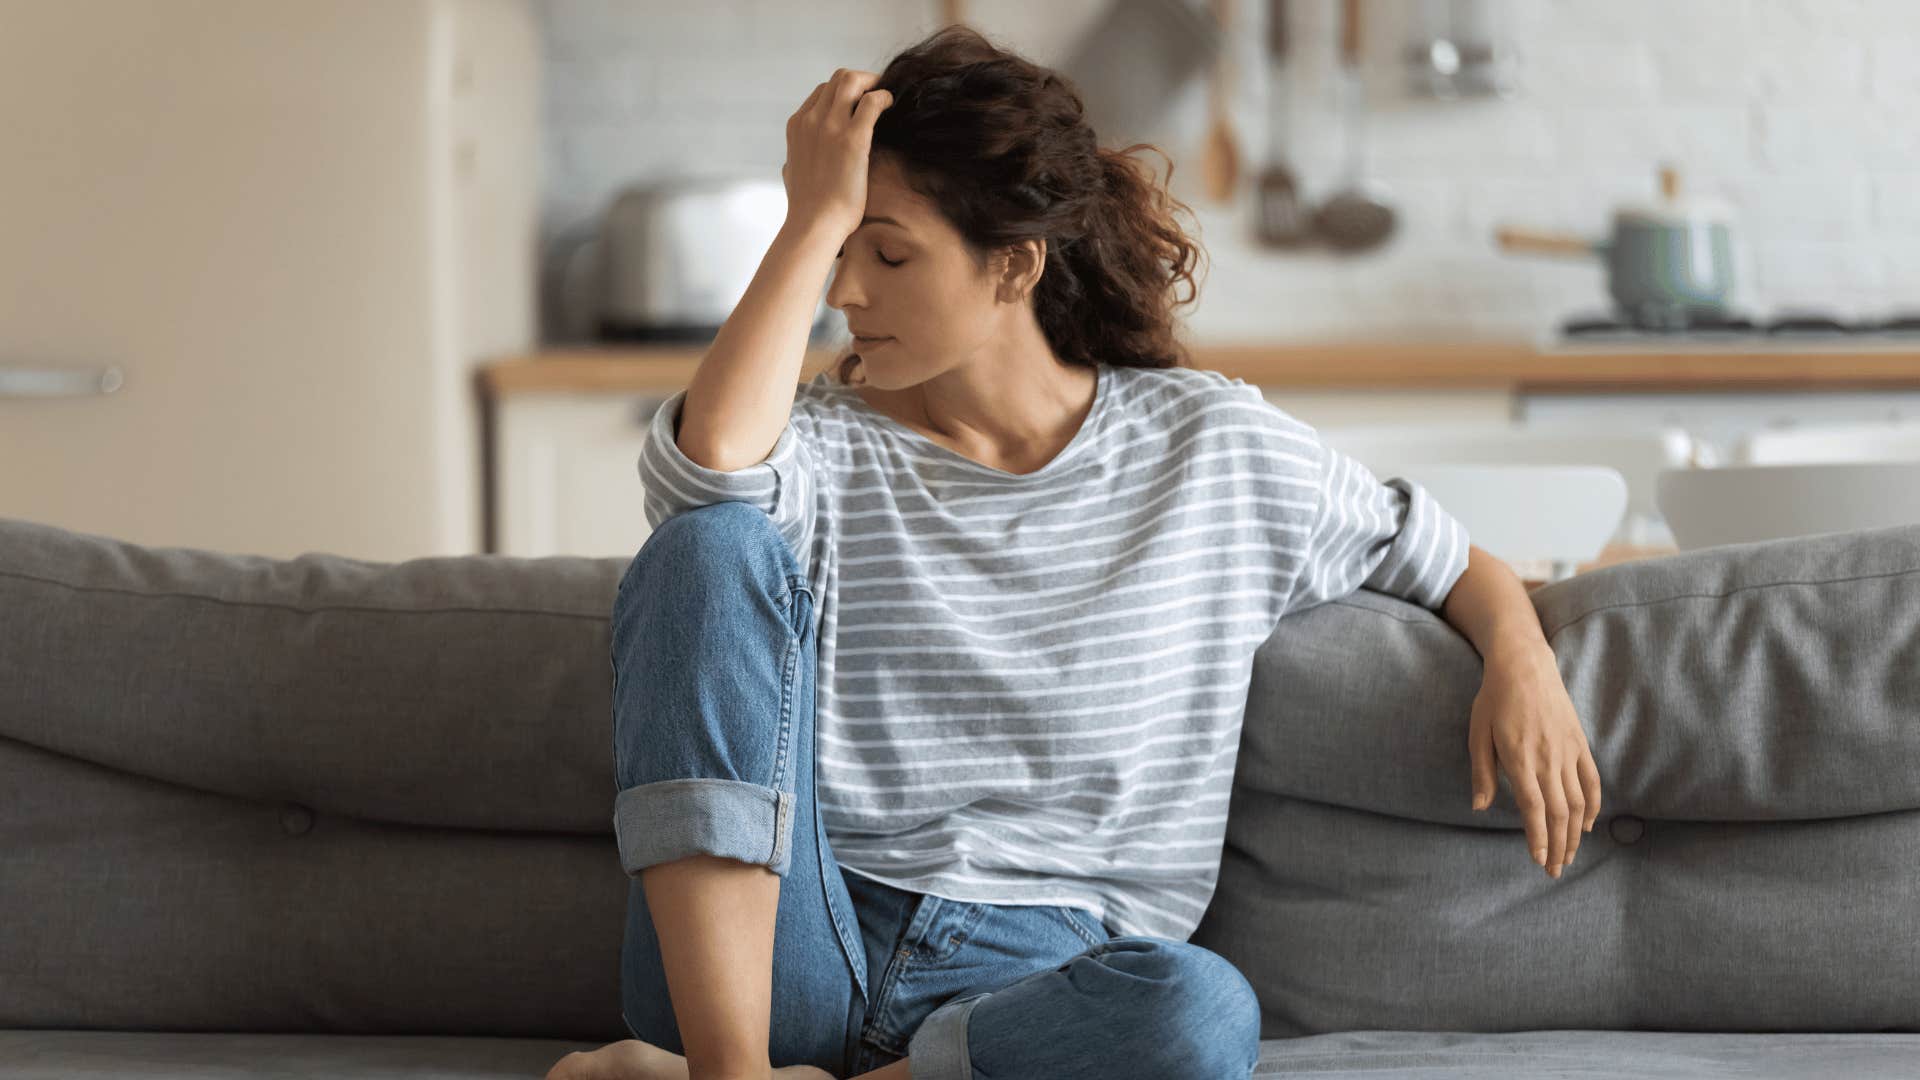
(393, 278)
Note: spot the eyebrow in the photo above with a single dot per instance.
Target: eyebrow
(865, 221)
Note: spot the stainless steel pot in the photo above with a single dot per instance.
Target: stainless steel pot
(1669, 263)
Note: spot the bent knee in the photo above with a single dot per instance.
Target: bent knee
(729, 533)
(1212, 1013)
(704, 528)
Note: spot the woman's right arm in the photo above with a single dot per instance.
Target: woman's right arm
(740, 397)
(742, 392)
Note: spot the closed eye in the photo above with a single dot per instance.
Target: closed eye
(876, 254)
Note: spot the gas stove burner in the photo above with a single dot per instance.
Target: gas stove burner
(1816, 324)
(1796, 324)
(1606, 325)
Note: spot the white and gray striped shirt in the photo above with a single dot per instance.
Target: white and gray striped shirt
(1030, 686)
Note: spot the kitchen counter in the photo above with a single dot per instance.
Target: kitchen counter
(1612, 367)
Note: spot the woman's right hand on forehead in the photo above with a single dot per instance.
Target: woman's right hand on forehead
(828, 144)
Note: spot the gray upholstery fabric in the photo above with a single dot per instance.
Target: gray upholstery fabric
(1349, 1055)
(322, 797)
(1754, 712)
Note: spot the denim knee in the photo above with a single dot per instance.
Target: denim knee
(1209, 1013)
(726, 532)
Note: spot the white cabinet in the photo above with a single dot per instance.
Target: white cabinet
(565, 480)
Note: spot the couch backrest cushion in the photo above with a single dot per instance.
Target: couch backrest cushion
(315, 794)
(1754, 712)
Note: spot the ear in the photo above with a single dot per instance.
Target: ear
(1020, 275)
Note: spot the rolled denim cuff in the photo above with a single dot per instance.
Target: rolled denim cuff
(672, 819)
(938, 1049)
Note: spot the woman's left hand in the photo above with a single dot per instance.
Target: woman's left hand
(1523, 721)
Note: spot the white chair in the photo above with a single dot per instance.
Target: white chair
(1543, 501)
(1638, 455)
(1530, 515)
(1897, 441)
(1740, 504)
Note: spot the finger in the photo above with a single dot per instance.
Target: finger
(1533, 811)
(1590, 783)
(1557, 816)
(870, 107)
(1576, 807)
(847, 88)
(822, 107)
(1480, 754)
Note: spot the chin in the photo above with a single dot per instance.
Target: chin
(880, 376)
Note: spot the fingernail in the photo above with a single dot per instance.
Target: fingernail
(1540, 856)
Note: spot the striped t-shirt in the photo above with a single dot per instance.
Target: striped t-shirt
(1030, 686)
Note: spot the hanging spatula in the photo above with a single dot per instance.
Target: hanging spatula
(1284, 221)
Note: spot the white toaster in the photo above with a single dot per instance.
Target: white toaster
(676, 256)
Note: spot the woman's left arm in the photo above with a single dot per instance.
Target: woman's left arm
(1523, 719)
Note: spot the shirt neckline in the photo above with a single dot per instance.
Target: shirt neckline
(1101, 378)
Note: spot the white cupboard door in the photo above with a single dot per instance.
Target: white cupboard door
(222, 202)
(567, 478)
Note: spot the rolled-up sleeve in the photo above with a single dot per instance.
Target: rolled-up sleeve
(782, 485)
(1390, 537)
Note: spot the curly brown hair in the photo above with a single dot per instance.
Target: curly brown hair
(1001, 147)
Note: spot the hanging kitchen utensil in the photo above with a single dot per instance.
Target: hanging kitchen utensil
(1283, 219)
(1669, 264)
(1358, 218)
(1454, 53)
(1221, 163)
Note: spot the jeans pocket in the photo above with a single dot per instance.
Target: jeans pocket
(1084, 924)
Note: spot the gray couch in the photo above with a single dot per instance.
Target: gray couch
(323, 816)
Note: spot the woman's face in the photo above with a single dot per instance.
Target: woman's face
(910, 280)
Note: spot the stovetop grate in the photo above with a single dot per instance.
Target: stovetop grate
(1737, 325)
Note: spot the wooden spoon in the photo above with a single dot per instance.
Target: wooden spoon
(1220, 165)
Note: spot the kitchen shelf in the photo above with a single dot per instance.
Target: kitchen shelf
(1513, 366)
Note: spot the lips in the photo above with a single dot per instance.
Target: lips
(859, 340)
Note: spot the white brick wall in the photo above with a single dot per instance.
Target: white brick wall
(1798, 112)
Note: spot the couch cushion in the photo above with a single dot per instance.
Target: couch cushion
(314, 794)
(1754, 712)
(1353, 1055)
(1590, 1055)
(150, 1055)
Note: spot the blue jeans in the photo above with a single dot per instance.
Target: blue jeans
(713, 663)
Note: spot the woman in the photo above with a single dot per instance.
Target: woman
(1028, 555)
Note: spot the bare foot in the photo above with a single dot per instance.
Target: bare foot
(628, 1059)
(631, 1059)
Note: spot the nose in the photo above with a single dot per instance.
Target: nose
(843, 290)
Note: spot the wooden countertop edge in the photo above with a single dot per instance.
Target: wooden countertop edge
(1452, 366)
